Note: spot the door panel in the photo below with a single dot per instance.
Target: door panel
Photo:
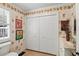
(32, 34)
(49, 34)
(42, 34)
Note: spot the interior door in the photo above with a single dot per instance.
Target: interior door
(77, 28)
(49, 34)
(32, 33)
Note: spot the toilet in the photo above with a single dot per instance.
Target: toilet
(4, 50)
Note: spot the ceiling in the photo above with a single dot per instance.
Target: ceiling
(31, 6)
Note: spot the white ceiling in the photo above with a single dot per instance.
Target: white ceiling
(31, 6)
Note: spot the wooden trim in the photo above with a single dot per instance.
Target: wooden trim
(41, 52)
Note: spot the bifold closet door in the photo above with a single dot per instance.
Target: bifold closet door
(77, 27)
(49, 34)
(32, 33)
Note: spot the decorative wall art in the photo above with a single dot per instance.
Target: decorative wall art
(18, 24)
(19, 34)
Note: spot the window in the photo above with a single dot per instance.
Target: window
(4, 24)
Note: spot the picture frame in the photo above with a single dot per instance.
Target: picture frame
(18, 24)
(19, 34)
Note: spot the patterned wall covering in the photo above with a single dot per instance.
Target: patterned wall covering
(50, 9)
(66, 12)
(68, 15)
(15, 13)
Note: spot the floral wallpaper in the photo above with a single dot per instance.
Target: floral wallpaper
(66, 12)
(15, 13)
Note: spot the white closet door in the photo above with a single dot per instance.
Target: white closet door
(77, 27)
(49, 34)
(32, 33)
